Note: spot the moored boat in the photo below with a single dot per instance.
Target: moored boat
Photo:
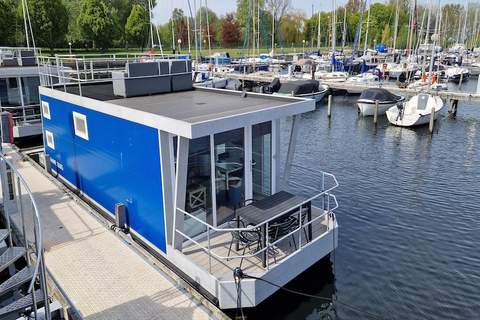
(369, 97)
(416, 111)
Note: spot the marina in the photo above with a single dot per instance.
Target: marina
(194, 163)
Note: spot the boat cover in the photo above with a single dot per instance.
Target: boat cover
(378, 94)
(300, 87)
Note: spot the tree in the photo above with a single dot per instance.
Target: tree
(49, 22)
(230, 31)
(7, 27)
(136, 28)
(96, 22)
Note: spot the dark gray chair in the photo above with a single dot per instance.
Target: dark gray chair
(246, 238)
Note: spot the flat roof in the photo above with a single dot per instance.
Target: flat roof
(201, 105)
(194, 113)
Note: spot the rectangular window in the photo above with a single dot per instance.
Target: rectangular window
(12, 83)
(46, 110)
(80, 125)
(50, 141)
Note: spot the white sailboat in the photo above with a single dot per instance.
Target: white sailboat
(416, 111)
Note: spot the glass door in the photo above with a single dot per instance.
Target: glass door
(261, 160)
(229, 160)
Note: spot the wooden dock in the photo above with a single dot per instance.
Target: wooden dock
(266, 77)
(101, 273)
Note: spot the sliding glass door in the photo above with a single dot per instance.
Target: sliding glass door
(261, 160)
(229, 166)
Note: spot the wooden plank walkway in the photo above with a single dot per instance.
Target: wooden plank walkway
(100, 273)
(267, 77)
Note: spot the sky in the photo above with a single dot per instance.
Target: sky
(163, 9)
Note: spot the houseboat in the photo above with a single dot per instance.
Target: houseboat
(19, 83)
(193, 174)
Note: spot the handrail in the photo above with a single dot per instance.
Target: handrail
(39, 261)
(267, 246)
(249, 228)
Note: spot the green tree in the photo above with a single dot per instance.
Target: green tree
(49, 22)
(7, 25)
(136, 28)
(97, 23)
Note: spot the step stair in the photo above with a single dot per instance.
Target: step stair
(10, 255)
(4, 233)
(21, 277)
(21, 304)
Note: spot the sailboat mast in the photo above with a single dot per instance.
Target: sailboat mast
(25, 22)
(273, 31)
(427, 33)
(173, 31)
(188, 35)
(208, 29)
(464, 30)
(318, 32)
(366, 31)
(334, 25)
(344, 35)
(395, 32)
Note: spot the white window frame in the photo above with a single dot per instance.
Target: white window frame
(46, 110)
(48, 135)
(82, 117)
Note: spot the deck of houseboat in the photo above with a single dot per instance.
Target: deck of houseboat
(220, 243)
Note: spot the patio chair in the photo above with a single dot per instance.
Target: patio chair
(281, 228)
(296, 221)
(245, 238)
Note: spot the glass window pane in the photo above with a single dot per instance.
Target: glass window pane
(198, 199)
(229, 172)
(262, 160)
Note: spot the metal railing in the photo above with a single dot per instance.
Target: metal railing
(63, 70)
(329, 204)
(22, 114)
(15, 181)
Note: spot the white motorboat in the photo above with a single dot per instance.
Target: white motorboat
(335, 76)
(416, 111)
(369, 97)
(361, 80)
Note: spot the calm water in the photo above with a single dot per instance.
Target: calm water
(409, 216)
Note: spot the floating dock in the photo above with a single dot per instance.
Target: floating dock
(103, 275)
(266, 78)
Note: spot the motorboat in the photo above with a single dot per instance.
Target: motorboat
(309, 89)
(335, 76)
(457, 74)
(416, 111)
(363, 79)
(369, 98)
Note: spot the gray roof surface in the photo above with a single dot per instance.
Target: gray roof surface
(201, 105)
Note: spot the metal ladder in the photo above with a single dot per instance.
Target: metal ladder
(25, 290)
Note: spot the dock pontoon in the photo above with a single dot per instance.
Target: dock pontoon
(196, 172)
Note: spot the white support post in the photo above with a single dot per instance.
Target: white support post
(291, 149)
(180, 190)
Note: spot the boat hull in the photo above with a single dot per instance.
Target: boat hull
(368, 108)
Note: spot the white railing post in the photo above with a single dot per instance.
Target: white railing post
(300, 229)
(209, 253)
(267, 246)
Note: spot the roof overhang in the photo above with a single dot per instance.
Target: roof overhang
(287, 107)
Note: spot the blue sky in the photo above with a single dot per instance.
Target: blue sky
(163, 9)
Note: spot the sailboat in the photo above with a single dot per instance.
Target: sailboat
(420, 108)
(416, 111)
